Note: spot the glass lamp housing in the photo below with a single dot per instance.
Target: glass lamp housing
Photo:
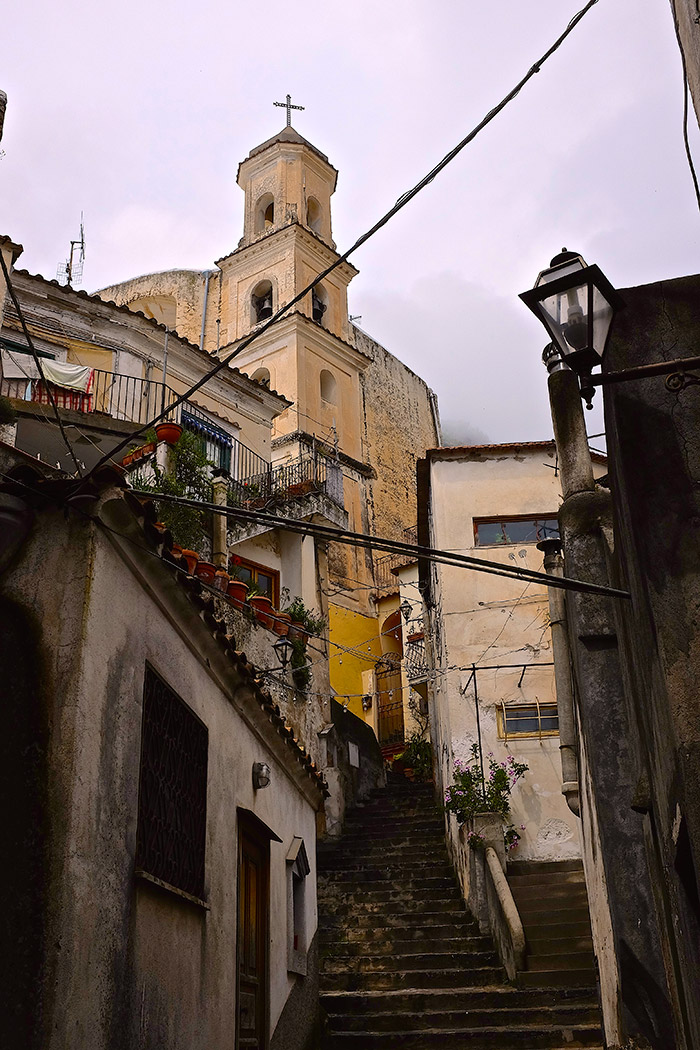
(576, 304)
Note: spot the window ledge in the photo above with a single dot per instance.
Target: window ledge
(145, 876)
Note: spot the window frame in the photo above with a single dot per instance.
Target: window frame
(256, 567)
(537, 705)
(505, 519)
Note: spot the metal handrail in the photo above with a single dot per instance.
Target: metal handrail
(307, 474)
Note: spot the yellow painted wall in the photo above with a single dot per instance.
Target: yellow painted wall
(359, 632)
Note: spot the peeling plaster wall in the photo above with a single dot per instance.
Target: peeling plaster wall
(126, 964)
(490, 620)
(173, 294)
(398, 428)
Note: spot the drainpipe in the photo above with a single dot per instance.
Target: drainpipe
(207, 275)
(554, 566)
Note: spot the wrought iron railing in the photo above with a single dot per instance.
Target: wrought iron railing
(110, 393)
(222, 449)
(308, 474)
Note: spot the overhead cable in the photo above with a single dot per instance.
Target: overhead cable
(415, 551)
(400, 203)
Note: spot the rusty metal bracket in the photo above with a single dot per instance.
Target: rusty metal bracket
(680, 380)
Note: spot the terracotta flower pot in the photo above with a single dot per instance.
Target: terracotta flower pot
(128, 460)
(205, 572)
(191, 559)
(221, 578)
(297, 632)
(281, 623)
(237, 591)
(262, 606)
(169, 432)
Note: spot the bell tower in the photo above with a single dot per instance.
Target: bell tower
(286, 179)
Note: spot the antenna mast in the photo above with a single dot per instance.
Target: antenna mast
(71, 271)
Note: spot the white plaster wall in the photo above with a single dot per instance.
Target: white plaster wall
(124, 954)
(493, 621)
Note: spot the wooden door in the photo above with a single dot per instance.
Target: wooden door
(253, 923)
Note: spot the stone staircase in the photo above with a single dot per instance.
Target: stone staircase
(403, 964)
(553, 907)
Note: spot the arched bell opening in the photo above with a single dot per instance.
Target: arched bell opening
(261, 302)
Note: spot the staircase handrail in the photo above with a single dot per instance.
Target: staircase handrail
(509, 934)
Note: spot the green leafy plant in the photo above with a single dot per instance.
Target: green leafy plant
(189, 477)
(7, 412)
(418, 754)
(300, 614)
(468, 796)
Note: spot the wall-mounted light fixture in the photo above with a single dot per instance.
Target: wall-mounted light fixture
(576, 304)
(283, 651)
(261, 775)
(367, 702)
(406, 609)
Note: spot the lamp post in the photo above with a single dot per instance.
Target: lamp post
(576, 304)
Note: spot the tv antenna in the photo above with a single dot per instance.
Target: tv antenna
(71, 271)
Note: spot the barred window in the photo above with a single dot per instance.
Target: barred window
(171, 834)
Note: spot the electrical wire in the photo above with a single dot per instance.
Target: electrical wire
(403, 200)
(417, 552)
(37, 360)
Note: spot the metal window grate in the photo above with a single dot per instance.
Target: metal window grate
(171, 834)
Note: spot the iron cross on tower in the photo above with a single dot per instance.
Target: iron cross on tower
(289, 107)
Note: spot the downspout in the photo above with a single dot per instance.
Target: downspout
(554, 566)
(436, 416)
(207, 275)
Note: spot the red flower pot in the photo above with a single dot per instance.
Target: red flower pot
(169, 432)
(262, 606)
(237, 591)
(191, 559)
(297, 632)
(281, 623)
(205, 572)
(221, 579)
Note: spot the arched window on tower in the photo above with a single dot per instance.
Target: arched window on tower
(261, 302)
(265, 213)
(319, 303)
(328, 386)
(262, 375)
(313, 215)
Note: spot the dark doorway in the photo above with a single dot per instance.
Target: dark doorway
(253, 922)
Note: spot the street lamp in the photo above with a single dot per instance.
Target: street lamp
(576, 304)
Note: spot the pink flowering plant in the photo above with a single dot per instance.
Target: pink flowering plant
(467, 795)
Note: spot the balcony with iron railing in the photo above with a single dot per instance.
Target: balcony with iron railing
(311, 473)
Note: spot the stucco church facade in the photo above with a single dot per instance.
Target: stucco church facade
(353, 402)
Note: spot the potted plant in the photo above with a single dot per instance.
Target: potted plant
(221, 580)
(262, 607)
(206, 571)
(469, 794)
(190, 558)
(303, 622)
(188, 476)
(417, 756)
(281, 623)
(237, 589)
(168, 432)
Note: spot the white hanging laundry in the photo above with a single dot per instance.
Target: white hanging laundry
(72, 377)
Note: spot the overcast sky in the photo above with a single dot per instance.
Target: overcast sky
(138, 114)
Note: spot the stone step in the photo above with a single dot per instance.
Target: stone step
(544, 867)
(564, 1015)
(341, 901)
(558, 930)
(550, 892)
(524, 1037)
(554, 878)
(457, 920)
(397, 942)
(392, 853)
(375, 963)
(418, 877)
(556, 978)
(451, 977)
(563, 961)
(553, 911)
(348, 846)
(465, 999)
(558, 945)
